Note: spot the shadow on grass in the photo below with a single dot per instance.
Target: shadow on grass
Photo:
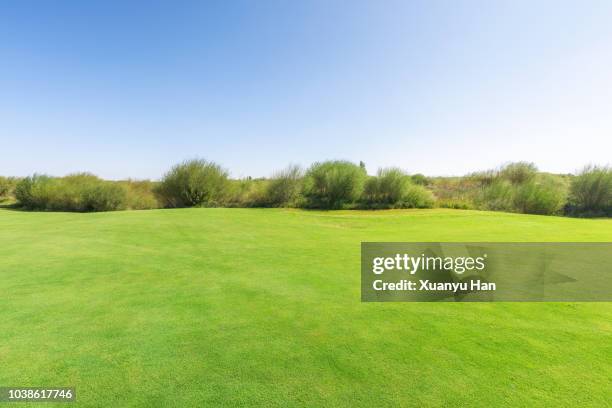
(11, 206)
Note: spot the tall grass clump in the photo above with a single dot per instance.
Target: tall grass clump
(333, 184)
(591, 192)
(194, 183)
(81, 192)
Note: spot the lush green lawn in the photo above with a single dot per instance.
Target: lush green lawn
(231, 307)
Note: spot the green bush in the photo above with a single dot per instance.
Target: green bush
(591, 192)
(76, 192)
(284, 188)
(194, 183)
(420, 179)
(6, 188)
(333, 184)
(483, 178)
(256, 194)
(140, 194)
(105, 196)
(544, 195)
(416, 196)
(392, 188)
(371, 195)
(34, 192)
(496, 196)
(519, 172)
(387, 188)
(455, 192)
(247, 193)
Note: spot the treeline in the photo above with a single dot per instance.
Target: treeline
(515, 187)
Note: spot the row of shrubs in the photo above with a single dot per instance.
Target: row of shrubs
(515, 187)
(82, 192)
(325, 185)
(519, 187)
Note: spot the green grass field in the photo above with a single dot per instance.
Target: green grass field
(231, 307)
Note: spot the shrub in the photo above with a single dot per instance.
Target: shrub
(76, 192)
(392, 188)
(545, 195)
(6, 187)
(542, 194)
(455, 192)
(332, 184)
(519, 172)
(371, 194)
(140, 194)
(496, 196)
(247, 193)
(105, 196)
(591, 192)
(388, 187)
(255, 195)
(34, 192)
(483, 178)
(420, 179)
(194, 183)
(284, 187)
(416, 196)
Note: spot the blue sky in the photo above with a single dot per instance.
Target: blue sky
(126, 89)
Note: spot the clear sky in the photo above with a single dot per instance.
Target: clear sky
(126, 88)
